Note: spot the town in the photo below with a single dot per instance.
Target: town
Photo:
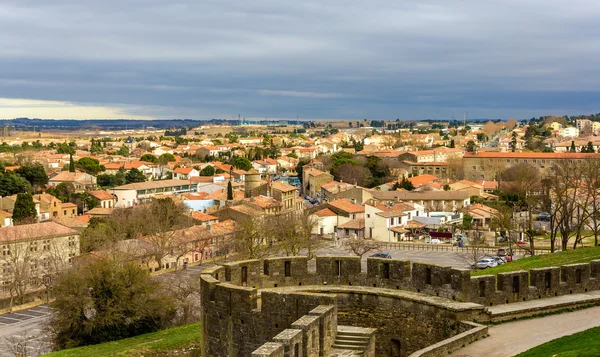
(169, 201)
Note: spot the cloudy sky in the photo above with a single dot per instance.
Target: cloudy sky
(347, 59)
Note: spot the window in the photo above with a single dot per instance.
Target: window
(72, 241)
(65, 212)
(508, 161)
(490, 161)
(287, 268)
(525, 161)
(516, 161)
(71, 256)
(534, 161)
(482, 177)
(543, 161)
(480, 168)
(6, 268)
(368, 215)
(5, 250)
(33, 246)
(46, 245)
(474, 168)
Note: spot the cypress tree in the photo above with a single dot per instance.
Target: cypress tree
(71, 163)
(24, 208)
(229, 191)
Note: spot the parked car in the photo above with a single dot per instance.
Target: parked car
(504, 252)
(381, 255)
(435, 241)
(544, 216)
(500, 260)
(485, 263)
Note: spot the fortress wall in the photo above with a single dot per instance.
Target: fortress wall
(237, 320)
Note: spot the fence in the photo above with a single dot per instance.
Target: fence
(448, 248)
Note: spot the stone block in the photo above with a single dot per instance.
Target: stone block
(269, 349)
(310, 335)
(483, 289)
(291, 340)
(514, 286)
(545, 280)
(327, 326)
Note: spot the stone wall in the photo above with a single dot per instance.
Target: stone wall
(472, 332)
(238, 320)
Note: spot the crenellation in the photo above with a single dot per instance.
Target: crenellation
(245, 309)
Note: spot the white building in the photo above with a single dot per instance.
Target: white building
(136, 193)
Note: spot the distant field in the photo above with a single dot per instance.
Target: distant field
(581, 344)
(582, 255)
(156, 343)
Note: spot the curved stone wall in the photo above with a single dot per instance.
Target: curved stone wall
(246, 303)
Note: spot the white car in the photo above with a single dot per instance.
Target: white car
(485, 263)
(435, 241)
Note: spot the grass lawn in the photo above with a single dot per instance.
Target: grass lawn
(165, 340)
(581, 344)
(581, 255)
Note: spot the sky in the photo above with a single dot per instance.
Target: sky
(334, 59)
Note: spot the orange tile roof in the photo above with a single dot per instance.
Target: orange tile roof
(203, 217)
(33, 231)
(422, 179)
(325, 212)
(101, 195)
(183, 170)
(346, 205)
(532, 155)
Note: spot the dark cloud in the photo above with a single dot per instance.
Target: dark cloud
(315, 59)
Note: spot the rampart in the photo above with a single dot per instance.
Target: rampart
(247, 303)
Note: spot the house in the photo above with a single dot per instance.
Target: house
(350, 217)
(49, 246)
(313, 179)
(568, 132)
(482, 214)
(203, 218)
(265, 166)
(326, 222)
(103, 198)
(68, 209)
(49, 205)
(80, 180)
(185, 173)
(100, 212)
(381, 217)
(5, 219)
(136, 193)
(208, 150)
(433, 201)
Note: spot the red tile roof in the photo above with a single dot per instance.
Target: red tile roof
(325, 212)
(346, 205)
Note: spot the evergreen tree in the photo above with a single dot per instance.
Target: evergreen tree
(452, 143)
(229, 191)
(513, 142)
(24, 211)
(573, 149)
(590, 147)
(71, 163)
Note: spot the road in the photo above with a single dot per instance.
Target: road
(513, 338)
(24, 328)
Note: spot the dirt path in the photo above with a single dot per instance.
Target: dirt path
(513, 338)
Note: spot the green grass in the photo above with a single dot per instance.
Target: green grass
(582, 255)
(155, 342)
(581, 344)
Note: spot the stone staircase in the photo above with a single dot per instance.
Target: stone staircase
(351, 339)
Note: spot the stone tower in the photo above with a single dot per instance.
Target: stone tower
(252, 181)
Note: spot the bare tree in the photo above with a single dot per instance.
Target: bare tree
(590, 172)
(360, 247)
(294, 232)
(455, 168)
(564, 191)
(253, 237)
(511, 124)
(358, 175)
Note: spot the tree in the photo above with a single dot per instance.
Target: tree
(65, 148)
(455, 167)
(149, 158)
(229, 191)
(470, 146)
(253, 237)
(89, 165)
(353, 174)
(103, 300)
(24, 211)
(208, 170)
(134, 175)
(241, 163)
(123, 151)
(452, 143)
(467, 223)
(35, 174)
(446, 187)
(511, 124)
(71, 163)
(166, 158)
(360, 247)
(64, 191)
(564, 188)
(573, 149)
(513, 142)
(300, 168)
(590, 172)
(294, 232)
(404, 184)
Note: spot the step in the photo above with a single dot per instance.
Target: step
(349, 347)
(353, 338)
(351, 342)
